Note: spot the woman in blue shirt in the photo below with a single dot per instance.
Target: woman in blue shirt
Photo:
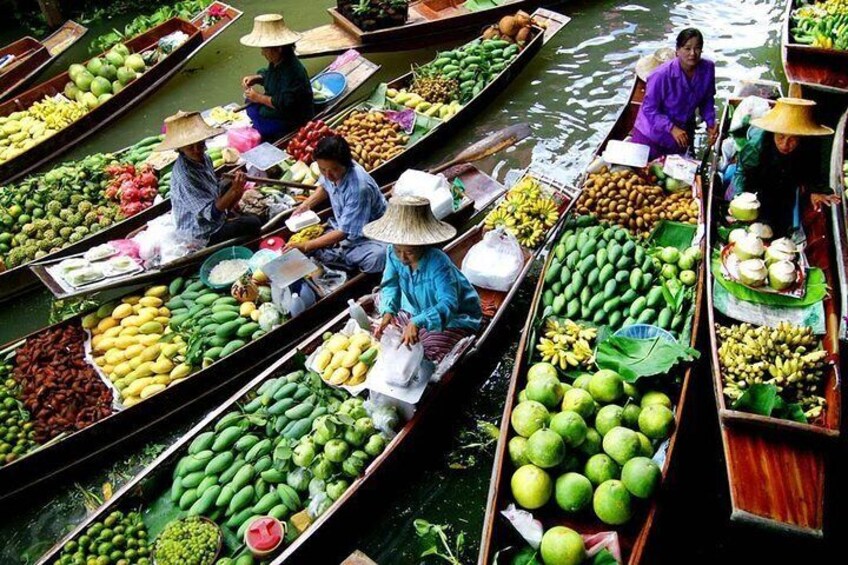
(422, 291)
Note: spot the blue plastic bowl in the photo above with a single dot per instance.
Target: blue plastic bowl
(334, 82)
(236, 252)
(644, 331)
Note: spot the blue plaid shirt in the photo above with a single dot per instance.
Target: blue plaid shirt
(437, 295)
(194, 190)
(356, 200)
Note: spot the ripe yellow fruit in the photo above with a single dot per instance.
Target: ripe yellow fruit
(106, 323)
(322, 360)
(359, 370)
(152, 389)
(157, 291)
(361, 340)
(114, 356)
(121, 311)
(148, 339)
(180, 372)
(124, 341)
(339, 376)
(162, 365)
(151, 352)
(336, 361)
(162, 379)
(113, 332)
(337, 343)
(131, 300)
(129, 330)
(351, 357)
(122, 369)
(163, 311)
(130, 321)
(130, 401)
(151, 301)
(246, 309)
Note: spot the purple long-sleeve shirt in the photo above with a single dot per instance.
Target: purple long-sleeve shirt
(671, 99)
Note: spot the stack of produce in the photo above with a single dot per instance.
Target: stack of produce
(19, 131)
(587, 445)
(602, 275)
(187, 541)
(373, 138)
(303, 143)
(789, 358)
(630, 200)
(185, 9)
(307, 234)
(567, 344)
(101, 78)
(441, 110)
(17, 432)
(305, 174)
(119, 538)
(527, 212)
(346, 360)
(516, 29)
(133, 188)
(61, 391)
(822, 24)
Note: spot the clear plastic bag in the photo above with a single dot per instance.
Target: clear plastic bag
(495, 262)
(527, 526)
(269, 317)
(319, 504)
(397, 364)
(434, 188)
(278, 203)
(750, 108)
(383, 413)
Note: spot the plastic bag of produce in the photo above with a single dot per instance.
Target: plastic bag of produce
(319, 504)
(495, 262)
(750, 108)
(434, 188)
(269, 317)
(384, 414)
(397, 364)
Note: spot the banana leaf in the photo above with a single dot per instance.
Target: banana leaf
(673, 234)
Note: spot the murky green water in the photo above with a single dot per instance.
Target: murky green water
(570, 95)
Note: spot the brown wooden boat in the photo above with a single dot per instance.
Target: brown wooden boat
(18, 280)
(135, 493)
(805, 64)
(428, 22)
(839, 218)
(32, 56)
(499, 537)
(154, 77)
(776, 468)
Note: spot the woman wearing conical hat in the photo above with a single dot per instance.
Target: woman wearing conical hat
(422, 291)
(773, 162)
(202, 206)
(287, 102)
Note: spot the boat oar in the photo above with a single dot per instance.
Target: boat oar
(489, 145)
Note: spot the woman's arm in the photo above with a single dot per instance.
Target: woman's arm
(435, 317)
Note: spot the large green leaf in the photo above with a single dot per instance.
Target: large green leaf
(816, 289)
(637, 358)
(673, 234)
(763, 399)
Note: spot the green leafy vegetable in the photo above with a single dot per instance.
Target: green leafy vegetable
(637, 358)
(764, 399)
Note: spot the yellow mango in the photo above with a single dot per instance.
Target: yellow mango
(351, 357)
(108, 369)
(161, 379)
(175, 381)
(131, 300)
(100, 361)
(130, 321)
(162, 365)
(170, 350)
(339, 376)
(121, 311)
(151, 352)
(151, 328)
(113, 332)
(361, 340)
(136, 308)
(114, 356)
(182, 350)
(151, 301)
(179, 340)
(149, 311)
(163, 311)
(336, 361)
(129, 331)
(157, 291)
(152, 389)
(137, 386)
(322, 360)
(131, 401)
(124, 341)
(95, 341)
(134, 351)
(135, 362)
(337, 343)
(121, 384)
(180, 372)
(123, 369)
(359, 370)
(106, 323)
(254, 315)
(355, 381)
(89, 321)
(145, 369)
(162, 320)
(246, 309)
(105, 343)
(144, 317)
(328, 372)
(148, 339)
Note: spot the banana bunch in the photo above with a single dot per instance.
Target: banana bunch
(787, 356)
(527, 212)
(307, 234)
(221, 115)
(566, 344)
(57, 113)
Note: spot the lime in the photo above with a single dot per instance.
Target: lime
(531, 487)
(565, 387)
(580, 401)
(600, 468)
(517, 454)
(656, 397)
(607, 418)
(612, 503)
(540, 369)
(528, 417)
(545, 389)
(656, 421)
(572, 462)
(606, 386)
(7, 220)
(592, 444)
(5, 237)
(545, 448)
(562, 546)
(630, 391)
(621, 444)
(15, 210)
(573, 492)
(641, 476)
(522, 396)
(23, 219)
(582, 381)
(630, 416)
(646, 448)
(570, 426)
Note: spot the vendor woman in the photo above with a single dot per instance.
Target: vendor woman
(203, 208)
(423, 292)
(355, 199)
(675, 91)
(287, 102)
(774, 164)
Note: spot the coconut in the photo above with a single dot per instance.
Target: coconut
(523, 35)
(749, 246)
(508, 25)
(71, 91)
(763, 231)
(736, 235)
(782, 275)
(134, 62)
(753, 272)
(522, 19)
(491, 32)
(785, 245)
(745, 207)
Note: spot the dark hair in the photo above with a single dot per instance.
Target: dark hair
(334, 148)
(688, 34)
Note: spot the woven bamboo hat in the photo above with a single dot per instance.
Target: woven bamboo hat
(409, 221)
(792, 116)
(270, 30)
(646, 65)
(185, 128)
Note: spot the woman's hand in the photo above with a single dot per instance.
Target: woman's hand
(680, 136)
(250, 80)
(302, 246)
(302, 209)
(384, 323)
(252, 96)
(827, 199)
(410, 335)
(712, 134)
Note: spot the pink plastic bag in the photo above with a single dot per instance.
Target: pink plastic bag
(127, 247)
(243, 139)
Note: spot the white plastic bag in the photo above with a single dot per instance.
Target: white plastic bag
(495, 262)
(396, 364)
(269, 317)
(384, 414)
(279, 203)
(434, 188)
(529, 527)
(750, 108)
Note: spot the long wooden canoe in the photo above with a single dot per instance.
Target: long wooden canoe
(776, 468)
(429, 22)
(31, 57)
(81, 446)
(633, 538)
(153, 78)
(313, 539)
(805, 64)
(839, 218)
(18, 280)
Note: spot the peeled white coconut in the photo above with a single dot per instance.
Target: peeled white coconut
(763, 231)
(745, 207)
(749, 246)
(782, 249)
(782, 275)
(736, 235)
(753, 272)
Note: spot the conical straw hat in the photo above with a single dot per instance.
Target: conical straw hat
(270, 30)
(185, 128)
(646, 65)
(409, 221)
(792, 116)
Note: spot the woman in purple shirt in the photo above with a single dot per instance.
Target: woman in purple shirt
(675, 91)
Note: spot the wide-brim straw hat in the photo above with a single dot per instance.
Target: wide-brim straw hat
(792, 116)
(270, 30)
(409, 221)
(647, 64)
(186, 128)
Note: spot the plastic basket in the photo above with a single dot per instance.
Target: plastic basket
(644, 331)
(236, 252)
(334, 82)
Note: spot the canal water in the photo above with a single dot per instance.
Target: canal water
(569, 94)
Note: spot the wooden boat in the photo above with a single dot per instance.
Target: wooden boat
(135, 493)
(30, 57)
(428, 22)
(839, 218)
(154, 77)
(805, 64)
(18, 280)
(85, 444)
(499, 538)
(776, 469)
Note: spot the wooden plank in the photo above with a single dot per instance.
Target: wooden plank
(64, 37)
